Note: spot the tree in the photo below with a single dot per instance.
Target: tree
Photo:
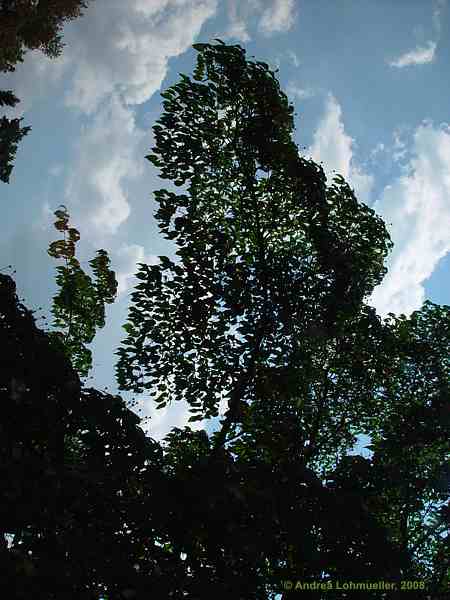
(10, 135)
(411, 443)
(265, 310)
(257, 252)
(70, 463)
(79, 306)
(27, 25)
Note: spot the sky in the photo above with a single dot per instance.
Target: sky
(369, 82)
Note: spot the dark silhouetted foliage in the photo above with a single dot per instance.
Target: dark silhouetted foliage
(266, 312)
(70, 464)
(33, 25)
(10, 135)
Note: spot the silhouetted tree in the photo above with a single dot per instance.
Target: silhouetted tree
(265, 311)
(70, 463)
(10, 135)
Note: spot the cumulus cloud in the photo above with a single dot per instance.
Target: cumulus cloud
(125, 261)
(36, 76)
(119, 53)
(334, 148)
(125, 47)
(106, 155)
(421, 55)
(416, 209)
(278, 17)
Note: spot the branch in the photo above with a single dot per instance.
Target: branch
(245, 377)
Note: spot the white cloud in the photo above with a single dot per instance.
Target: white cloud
(106, 155)
(125, 47)
(361, 182)
(421, 55)
(116, 53)
(223, 406)
(237, 27)
(334, 148)
(294, 90)
(36, 76)
(238, 30)
(162, 421)
(416, 209)
(379, 148)
(125, 261)
(278, 17)
(119, 54)
(399, 148)
(159, 423)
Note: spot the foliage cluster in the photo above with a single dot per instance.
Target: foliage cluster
(79, 306)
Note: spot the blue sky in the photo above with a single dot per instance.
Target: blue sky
(369, 81)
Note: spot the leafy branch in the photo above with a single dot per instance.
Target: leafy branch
(79, 305)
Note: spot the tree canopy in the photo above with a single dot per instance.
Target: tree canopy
(30, 25)
(70, 464)
(264, 312)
